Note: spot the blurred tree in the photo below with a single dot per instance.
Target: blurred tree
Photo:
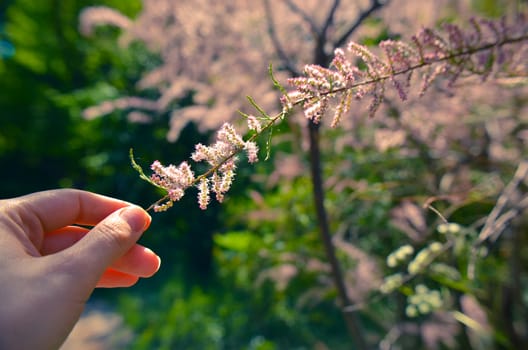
(50, 59)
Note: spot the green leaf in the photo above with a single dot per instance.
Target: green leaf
(237, 241)
(268, 144)
(138, 168)
(276, 82)
(257, 107)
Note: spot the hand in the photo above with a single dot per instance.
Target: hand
(49, 268)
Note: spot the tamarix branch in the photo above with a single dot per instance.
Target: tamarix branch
(487, 48)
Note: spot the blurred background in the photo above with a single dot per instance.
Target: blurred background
(79, 88)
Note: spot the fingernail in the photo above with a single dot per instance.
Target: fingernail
(149, 251)
(137, 218)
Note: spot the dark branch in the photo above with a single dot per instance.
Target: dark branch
(321, 57)
(330, 17)
(374, 5)
(494, 221)
(279, 49)
(305, 17)
(352, 323)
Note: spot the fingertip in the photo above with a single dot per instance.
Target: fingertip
(156, 266)
(136, 217)
(159, 264)
(148, 264)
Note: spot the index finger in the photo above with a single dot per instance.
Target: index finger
(55, 209)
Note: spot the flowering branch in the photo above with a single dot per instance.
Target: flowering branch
(221, 156)
(451, 54)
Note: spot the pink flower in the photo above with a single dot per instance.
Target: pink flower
(203, 193)
(252, 151)
(254, 123)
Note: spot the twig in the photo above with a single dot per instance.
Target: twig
(492, 222)
(496, 223)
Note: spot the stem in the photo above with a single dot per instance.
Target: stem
(351, 321)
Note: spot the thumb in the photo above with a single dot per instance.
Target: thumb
(109, 240)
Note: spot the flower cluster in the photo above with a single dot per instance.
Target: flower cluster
(320, 85)
(424, 257)
(423, 301)
(399, 255)
(175, 180)
(449, 228)
(221, 157)
(391, 283)
(254, 123)
(449, 53)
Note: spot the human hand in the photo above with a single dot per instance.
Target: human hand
(49, 267)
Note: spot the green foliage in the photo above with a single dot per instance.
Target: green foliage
(236, 241)
(50, 65)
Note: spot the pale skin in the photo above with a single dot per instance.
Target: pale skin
(49, 265)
